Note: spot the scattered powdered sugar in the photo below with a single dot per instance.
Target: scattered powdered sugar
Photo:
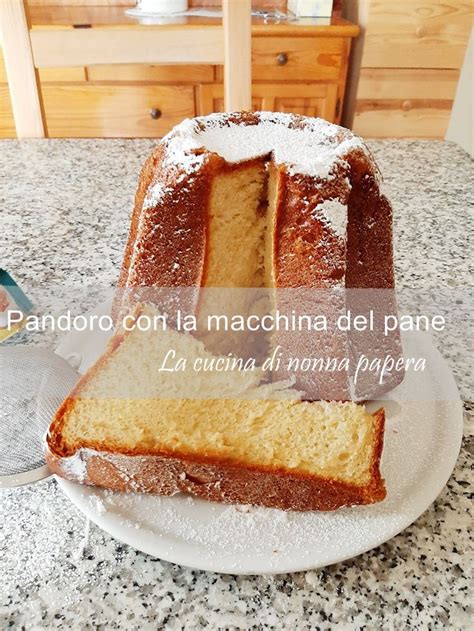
(334, 213)
(45, 529)
(98, 504)
(50, 559)
(155, 193)
(80, 550)
(308, 146)
(75, 467)
(181, 145)
(230, 534)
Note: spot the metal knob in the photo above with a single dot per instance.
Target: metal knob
(282, 59)
(155, 113)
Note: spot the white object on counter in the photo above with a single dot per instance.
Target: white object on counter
(311, 8)
(162, 7)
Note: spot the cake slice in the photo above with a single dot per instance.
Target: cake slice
(221, 436)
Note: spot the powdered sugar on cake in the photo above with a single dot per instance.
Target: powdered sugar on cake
(75, 466)
(333, 213)
(154, 194)
(311, 147)
(307, 146)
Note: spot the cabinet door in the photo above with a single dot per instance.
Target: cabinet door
(416, 102)
(417, 33)
(317, 99)
(210, 98)
(108, 111)
(298, 58)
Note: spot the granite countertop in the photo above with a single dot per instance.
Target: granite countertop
(64, 209)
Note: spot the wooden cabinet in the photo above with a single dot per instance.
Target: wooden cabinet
(151, 73)
(112, 111)
(296, 58)
(403, 102)
(7, 124)
(295, 68)
(417, 33)
(410, 63)
(306, 99)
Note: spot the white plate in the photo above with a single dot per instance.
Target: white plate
(422, 442)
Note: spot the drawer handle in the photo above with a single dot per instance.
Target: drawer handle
(155, 113)
(407, 105)
(282, 59)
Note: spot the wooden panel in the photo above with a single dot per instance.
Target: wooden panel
(82, 3)
(146, 72)
(294, 59)
(114, 111)
(50, 74)
(309, 100)
(114, 17)
(236, 20)
(404, 102)
(76, 47)
(3, 74)
(22, 76)
(63, 75)
(210, 98)
(77, 73)
(401, 83)
(308, 104)
(258, 4)
(7, 124)
(341, 88)
(421, 118)
(417, 33)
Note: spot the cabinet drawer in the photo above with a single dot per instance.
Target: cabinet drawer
(151, 72)
(407, 83)
(309, 100)
(87, 111)
(298, 58)
(417, 102)
(424, 119)
(417, 34)
(417, 118)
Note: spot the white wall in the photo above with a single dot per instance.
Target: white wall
(461, 124)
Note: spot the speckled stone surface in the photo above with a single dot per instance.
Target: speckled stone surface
(64, 209)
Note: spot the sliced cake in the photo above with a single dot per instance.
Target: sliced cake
(222, 436)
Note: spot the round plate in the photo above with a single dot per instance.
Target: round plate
(422, 442)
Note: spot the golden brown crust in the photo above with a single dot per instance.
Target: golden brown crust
(307, 252)
(147, 174)
(211, 478)
(145, 179)
(167, 248)
(219, 480)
